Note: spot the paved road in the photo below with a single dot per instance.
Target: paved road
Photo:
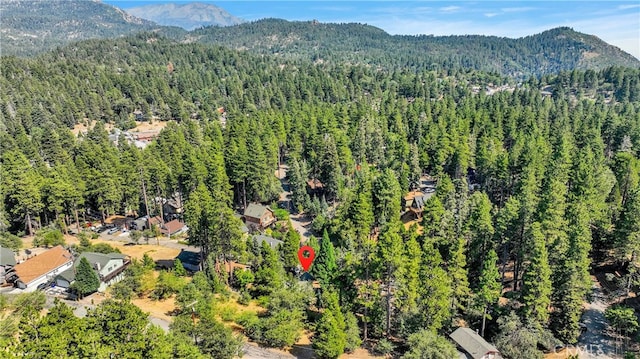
(595, 343)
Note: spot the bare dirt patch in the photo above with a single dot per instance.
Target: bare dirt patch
(156, 308)
(360, 353)
(154, 126)
(86, 125)
(138, 250)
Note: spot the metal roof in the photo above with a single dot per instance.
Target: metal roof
(7, 258)
(472, 343)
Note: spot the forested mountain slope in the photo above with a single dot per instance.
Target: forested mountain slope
(33, 26)
(548, 52)
(29, 27)
(534, 181)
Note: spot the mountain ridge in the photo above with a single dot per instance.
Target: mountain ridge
(30, 27)
(548, 52)
(188, 16)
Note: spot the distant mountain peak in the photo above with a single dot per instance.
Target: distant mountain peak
(185, 15)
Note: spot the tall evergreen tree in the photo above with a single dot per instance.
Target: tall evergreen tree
(536, 286)
(86, 280)
(489, 288)
(324, 265)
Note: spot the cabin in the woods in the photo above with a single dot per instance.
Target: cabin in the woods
(413, 203)
(258, 216)
(142, 223)
(315, 187)
(173, 206)
(173, 228)
(472, 346)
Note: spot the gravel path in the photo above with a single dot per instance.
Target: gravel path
(594, 343)
(300, 222)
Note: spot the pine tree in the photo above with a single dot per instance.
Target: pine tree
(436, 290)
(489, 288)
(386, 196)
(408, 277)
(289, 249)
(536, 286)
(480, 232)
(330, 338)
(86, 280)
(269, 273)
(324, 265)
(390, 248)
(330, 171)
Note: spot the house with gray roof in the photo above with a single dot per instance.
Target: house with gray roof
(473, 346)
(272, 242)
(109, 267)
(190, 260)
(7, 261)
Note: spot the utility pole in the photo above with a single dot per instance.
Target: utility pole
(146, 202)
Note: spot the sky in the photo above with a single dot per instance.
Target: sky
(616, 22)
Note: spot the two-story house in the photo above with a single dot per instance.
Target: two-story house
(109, 267)
(258, 216)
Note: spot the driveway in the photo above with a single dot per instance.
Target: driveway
(302, 224)
(299, 221)
(595, 343)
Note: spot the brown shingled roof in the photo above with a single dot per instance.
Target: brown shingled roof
(42, 264)
(172, 227)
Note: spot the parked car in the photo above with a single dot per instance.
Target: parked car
(113, 230)
(43, 286)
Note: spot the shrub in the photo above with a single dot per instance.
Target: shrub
(228, 313)
(168, 284)
(245, 298)
(281, 214)
(384, 347)
(242, 278)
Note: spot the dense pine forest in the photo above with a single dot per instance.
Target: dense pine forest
(537, 185)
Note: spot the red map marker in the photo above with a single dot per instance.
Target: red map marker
(306, 255)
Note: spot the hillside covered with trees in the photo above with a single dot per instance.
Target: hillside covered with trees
(33, 27)
(536, 183)
(555, 50)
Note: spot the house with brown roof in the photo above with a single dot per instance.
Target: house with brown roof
(258, 216)
(42, 268)
(173, 227)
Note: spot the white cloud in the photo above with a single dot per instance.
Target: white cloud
(627, 7)
(517, 9)
(491, 14)
(450, 8)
